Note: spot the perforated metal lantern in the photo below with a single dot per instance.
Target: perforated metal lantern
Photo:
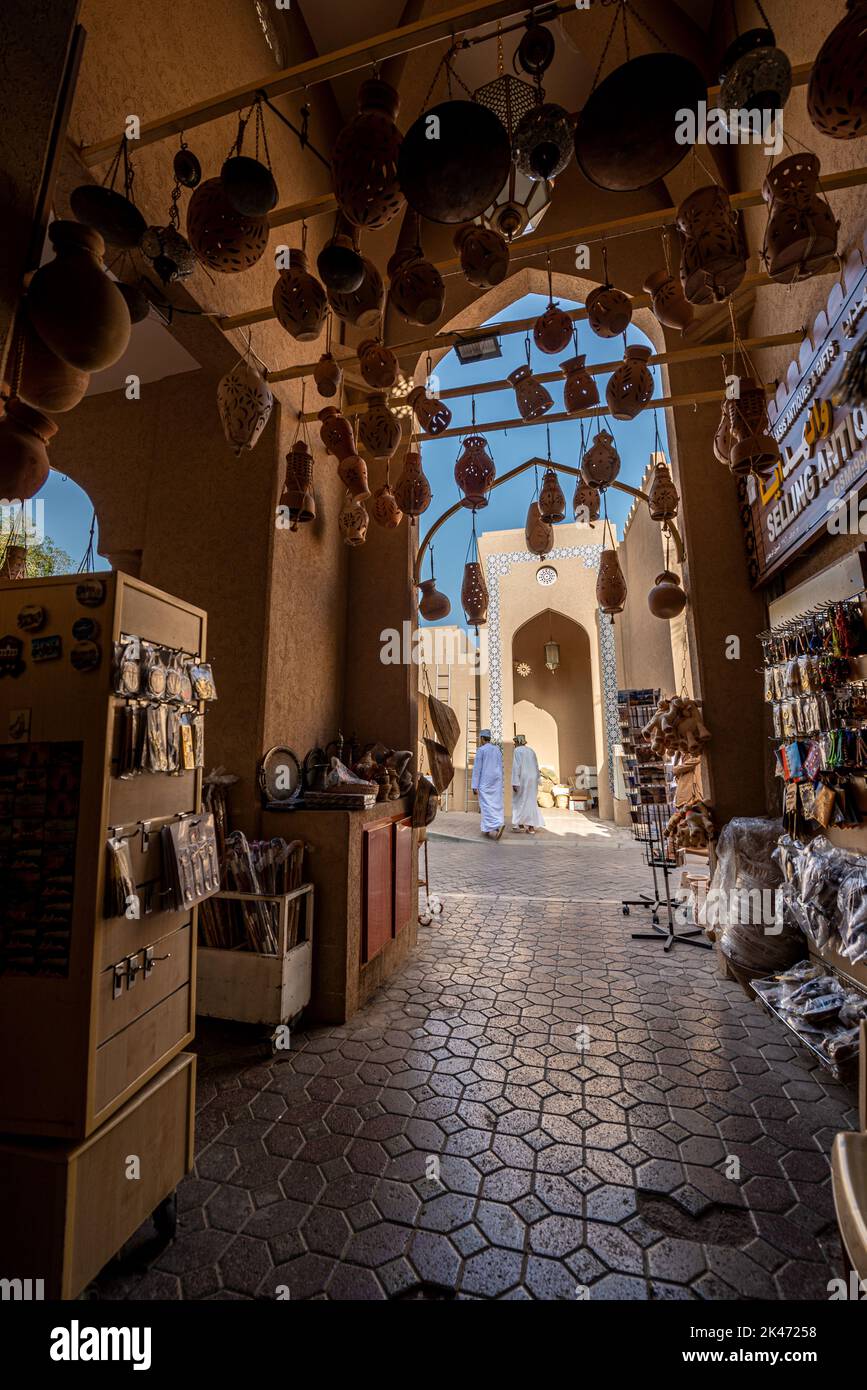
(755, 75)
(364, 163)
(521, 201)
(543, 142)
(170, 254)
(299, 300)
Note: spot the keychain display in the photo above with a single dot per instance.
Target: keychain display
(190, 862)
(162, 728)
(119, 879)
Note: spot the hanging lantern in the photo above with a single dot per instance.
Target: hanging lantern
(365, 159)
(543, 142)
(475, 471)
(552, 655)
(713, 257)
(361, 307)
(170, 254)
(630, 386)
(299, 300)
(341, 268)
(412, 489)
(385, 510)
(533, 399)
(601, 463)
(553, 331)
(25, 434)
(837, 91)
(663, 498)
(666, 599)
(378, 364)
(297, 495)
(455, 176)
(801, 235)
(580, 391)
(484, 255)
(336, 433)
(586, 503)
(755, 75)
(432, 415)
(378, 428)
(538, 534)
(352, 521)
(552, 503)
(244, 401)
(474, 594)
(249, 185)
(518, 202)
(754, 450)
(417, 290)
(433, 605)
(609, 311)
(352, 472)
(328, 375)
(668, 302)
(224, 239)
(610, 584)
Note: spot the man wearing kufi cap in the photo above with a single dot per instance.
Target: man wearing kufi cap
(488, 785)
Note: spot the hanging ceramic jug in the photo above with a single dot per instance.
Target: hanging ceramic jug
(630, 386)
(601, 463)
(336, 433)
(532, 397)
(223, 238)
(433, 605)
(723, 443)
(244, 401)
(47, 382)
(417, 289)
(801, 235)
(552, 503)
(669, 305)
(378, 428)
(454, 176)
(433, 416)
(609, 311)
(412, 489)
(663, 498)
(666, 599)
(352, 472)
(538, 534)
(78, 312)
(352, 521)
(553, 331)
(364, 161)
(610, 584)
(754, 449)
(474, 594)
(580, 391)
(25, 434)
(297, 500)
(378, 364)
(837, 92)
(713, 259)
(362, 306)
(484, 255)
(341, 268)
(299, 300)
(475, 471)
(328, 375)
(384, 507)
(14, 565)
(586, 503)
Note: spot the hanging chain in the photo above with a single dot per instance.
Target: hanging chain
(304, 236)
(607, 282)
(683, 666)
(761, 10)
(473, 405)
(548, 437)
(550, 280)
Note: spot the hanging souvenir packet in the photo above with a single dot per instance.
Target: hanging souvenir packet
(119, 880)
(127, 666)
(155, 754)
(203, 681)
(153, 671)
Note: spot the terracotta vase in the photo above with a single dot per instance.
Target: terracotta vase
(352, 472)
(609, 311)
(723, 443)
(78, 312)
(352, 521)
(610, 584)
(244, 401)
(417, 289)
(299, 300)
(223, 238)
(432, 415)
(25, 434)
(328, 375)
(532, 398)
(336, 433)
(753, 450)
(601, 463)
(341, 268)
(663, 498)
(364, 160)
(412, 489)
(801, 235)
(586, 503)
(385, 509)
(297, 496)
(362, 306)
(630, 386)
(475, 471)
(378, 428)
(484, 255)
(433, 605)
(378, 364)
(47, 382)
(713, 259)
(552, 503)
(474, 594)
(553, 331)
(580, 391)
(668, 302)
(14, 564)
(837, 91)
(538, 534)
(666, 599)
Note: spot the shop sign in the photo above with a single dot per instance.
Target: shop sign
(823, 449)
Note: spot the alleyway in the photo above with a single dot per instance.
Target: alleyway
(453, 1139)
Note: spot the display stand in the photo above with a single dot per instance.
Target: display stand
(251, 986)
(653, 820)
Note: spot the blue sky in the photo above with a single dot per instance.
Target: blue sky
(67, 516)
(507, 507)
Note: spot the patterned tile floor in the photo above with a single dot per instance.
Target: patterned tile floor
(453, 1141)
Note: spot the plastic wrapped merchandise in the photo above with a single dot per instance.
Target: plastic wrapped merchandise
(852, 910)
(743, 904)
(823, 868)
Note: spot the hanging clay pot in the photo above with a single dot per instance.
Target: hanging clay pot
(223, 238)
(364, 161)
(552, 503)
(75, 308)
(474, 594)
(553, 331)
(713, 258)
(244, 401)
(837, 92)
(454, 174)
(14, 564)
(601, 463)
(340, 266)
(378, 428)
(328, 375)
(385, 509)
(25, 434)
(417, 289)
(532, 397)
(538, 534)
(754, 449)
(801, 235)
(114, 217)
(249, 185)
(432, 415)
(630, 386)
(297, 495)
(378, 364)
(580, 391)
(609, 311)
(412, 489)
(723, 443)
(666, 599)
(484, 255)
(586, 503)
(352, 472)
(433, 605)
(610, 584)
(47, 382)
(475, 471)
(670, 307)
(663, 498)
(361, 307)
(336, 433)
(299, 300)
(352, 521)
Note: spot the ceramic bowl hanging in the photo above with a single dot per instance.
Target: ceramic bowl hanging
(630, 386)
(170, 254)
(433, 416)
(336, 433)
(244, 402)
(384, 508)
(328, 375)
(364, 162)
(475, 471)
(186, 168)
(297, 496)
(610, 584)
(666, 599)
(224, 239)
(299, 300)
(801, 235)
(412, 489)
(538, 534)
(456, 175)
(474, 594)
(837, 91)
(249, 186)
(378, 364)
(543, 142)
(417, 289)
(352, 521)
(378, 428)
(533, 399)
(552, 332)
(484, 255)
(47, 382)
(713, 257)
(361, 307)
(663, 498)
(670, 306)
(609, 311)
(76, 309)
(114, 217)
(25, 434)
(433, 605)
(586, 503)
(601, 463)
(755, 75)
(340, 265)
(552, 503)
(580, 391)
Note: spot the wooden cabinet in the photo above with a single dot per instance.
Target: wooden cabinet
(387, 868)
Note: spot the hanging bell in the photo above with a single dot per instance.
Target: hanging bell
(385, 509)
(580, 391)
(244, 401)
(586, 503)
(630, 386)
(328, 375)
(610, 584)
(378, 364)
(601, 463)
(379, 428)
(543, 142)
(297, 497)
(663, 498)
(552, 503)
(474, 594)
(532, 397)
(475, 471)
(299, 300)
(417, 289)
(364, 160)
(340, 266)
(433, 605)
(412, 489)
(432, 415)
(484, 255)
(552, 332)
(538, 534)
(666, 599)
(352, 521)
(248, 185)
(609, 311)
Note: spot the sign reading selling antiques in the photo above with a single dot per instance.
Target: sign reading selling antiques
(823, 447)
